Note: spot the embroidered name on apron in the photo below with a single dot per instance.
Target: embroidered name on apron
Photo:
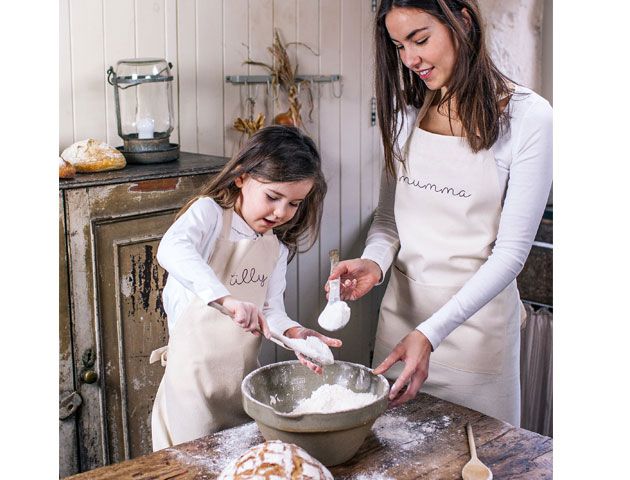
(433, 187)
(248, 275)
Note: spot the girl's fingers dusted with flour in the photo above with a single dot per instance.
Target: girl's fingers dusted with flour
(247, 315)
(304, 333)
(307, 363)
(264, 327)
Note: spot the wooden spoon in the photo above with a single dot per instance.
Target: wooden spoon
(474, 469)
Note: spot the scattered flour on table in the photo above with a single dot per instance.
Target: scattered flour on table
(333, 398)
(371, 476)
(398, 431)
(231, 444)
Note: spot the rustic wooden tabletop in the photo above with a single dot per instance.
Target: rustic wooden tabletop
(425, 438)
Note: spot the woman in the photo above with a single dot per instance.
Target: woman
(468, 167)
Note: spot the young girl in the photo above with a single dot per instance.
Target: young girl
(230, 245)
(468, 159)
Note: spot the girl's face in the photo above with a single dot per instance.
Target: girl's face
(268, 205)
(424, 44)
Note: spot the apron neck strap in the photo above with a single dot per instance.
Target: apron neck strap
(428, 100)
(228, 215)
(227, 222)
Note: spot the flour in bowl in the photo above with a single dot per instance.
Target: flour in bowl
(333, 398)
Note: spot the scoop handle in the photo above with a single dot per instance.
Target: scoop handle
(334, 285)
(274, 337)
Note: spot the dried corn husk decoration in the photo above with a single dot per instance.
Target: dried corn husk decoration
(249, 125)
(283, 75)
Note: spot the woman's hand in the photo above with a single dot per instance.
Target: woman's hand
(414, 350)
(303, 333)
(358, 276)
(246, 315)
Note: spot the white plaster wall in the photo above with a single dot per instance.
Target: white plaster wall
(514, 38)
(547, 51)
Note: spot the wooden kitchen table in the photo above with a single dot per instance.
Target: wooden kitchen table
(425, 438)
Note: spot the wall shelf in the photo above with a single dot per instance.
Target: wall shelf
(252, 79)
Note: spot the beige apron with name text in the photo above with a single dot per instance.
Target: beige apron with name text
(447, 208)
(208, 355)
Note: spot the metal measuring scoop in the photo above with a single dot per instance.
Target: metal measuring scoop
(332, 317)
(321, 358)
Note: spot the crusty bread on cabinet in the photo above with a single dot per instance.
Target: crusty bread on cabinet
(276, 460)
(66, 170)
(93, 156)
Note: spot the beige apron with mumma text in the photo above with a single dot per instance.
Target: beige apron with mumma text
(447, 208)
(208, 355)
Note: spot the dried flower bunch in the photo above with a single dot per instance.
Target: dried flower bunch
(250, 125)
(283, 76)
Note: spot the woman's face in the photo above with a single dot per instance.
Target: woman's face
(424, 44)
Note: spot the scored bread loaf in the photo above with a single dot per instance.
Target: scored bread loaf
(66, 170)
(275, 460)
(93, 156)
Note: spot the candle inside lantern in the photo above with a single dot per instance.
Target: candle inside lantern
(145, 127)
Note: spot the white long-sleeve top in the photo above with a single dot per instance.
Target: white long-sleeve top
(523, 156)
(184, 252)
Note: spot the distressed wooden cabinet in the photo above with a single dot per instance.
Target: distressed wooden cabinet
(110, 311)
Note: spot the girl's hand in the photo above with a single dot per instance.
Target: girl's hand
(358, 276)
(414, 350)
(246, 315)
(303, 333)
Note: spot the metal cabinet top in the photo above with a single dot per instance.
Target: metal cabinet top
(187, 164)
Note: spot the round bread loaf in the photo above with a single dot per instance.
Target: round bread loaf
(66, 170)
(275, 460)
(93, 156)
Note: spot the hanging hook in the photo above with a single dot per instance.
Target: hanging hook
(340, 88)
(111, 74)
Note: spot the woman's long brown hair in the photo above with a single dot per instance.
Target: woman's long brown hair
(474, 88)
(276, 154)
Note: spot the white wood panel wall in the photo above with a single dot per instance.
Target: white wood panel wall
(209, 39)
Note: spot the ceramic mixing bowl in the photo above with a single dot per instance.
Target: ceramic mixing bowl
(272, 392)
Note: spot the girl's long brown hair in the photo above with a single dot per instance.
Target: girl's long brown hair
(276, 154)
(474, 88)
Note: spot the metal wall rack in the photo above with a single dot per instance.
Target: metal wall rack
(252, 79)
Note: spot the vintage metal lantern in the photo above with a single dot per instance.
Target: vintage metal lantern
(144, 109)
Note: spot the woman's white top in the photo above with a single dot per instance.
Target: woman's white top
(184, 252)
(523, 156)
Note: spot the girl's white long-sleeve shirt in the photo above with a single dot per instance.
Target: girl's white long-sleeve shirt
(524, 160)
(184, 252)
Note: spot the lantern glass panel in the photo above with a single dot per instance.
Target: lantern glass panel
(146, 98)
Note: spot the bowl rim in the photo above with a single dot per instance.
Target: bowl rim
(292, 416)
